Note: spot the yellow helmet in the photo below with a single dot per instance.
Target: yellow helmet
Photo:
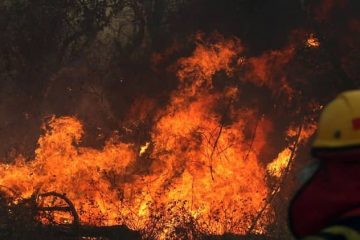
(339, 125)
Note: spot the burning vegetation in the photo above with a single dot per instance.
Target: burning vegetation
(199, 171)
(206, 147)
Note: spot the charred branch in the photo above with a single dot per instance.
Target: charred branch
(23, 221)
(276, 188)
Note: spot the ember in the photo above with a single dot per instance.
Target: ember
(313, 41)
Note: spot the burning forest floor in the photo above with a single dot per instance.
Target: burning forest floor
(199, 175)
(151, 120)
(24, 220)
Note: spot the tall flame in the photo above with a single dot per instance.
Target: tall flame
(201, 167)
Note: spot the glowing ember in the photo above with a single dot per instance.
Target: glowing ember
(312, 41)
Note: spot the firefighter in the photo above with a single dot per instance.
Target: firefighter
(327, 207)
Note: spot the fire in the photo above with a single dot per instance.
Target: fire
(267, 71)
(313, 41)
(202, 170)
(197, 71)
(278, 166)
(60, 164)
(144, 148)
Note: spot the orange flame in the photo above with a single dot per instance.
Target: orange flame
(277, 167)
(313, 41)
(200, 167)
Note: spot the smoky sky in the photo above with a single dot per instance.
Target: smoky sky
(261, 24)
